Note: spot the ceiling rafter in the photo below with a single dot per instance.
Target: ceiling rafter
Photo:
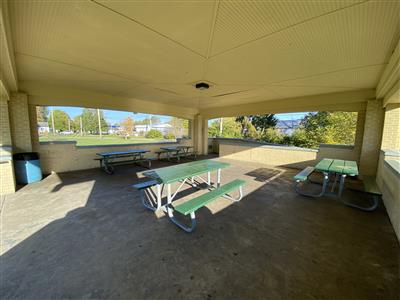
(211, 37)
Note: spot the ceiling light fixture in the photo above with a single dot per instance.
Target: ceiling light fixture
(202, 86)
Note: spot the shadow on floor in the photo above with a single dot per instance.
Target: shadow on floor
(86, 235)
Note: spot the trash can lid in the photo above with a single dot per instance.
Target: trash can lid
(26, 156)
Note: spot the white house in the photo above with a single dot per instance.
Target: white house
(43, 127)
(163, 128)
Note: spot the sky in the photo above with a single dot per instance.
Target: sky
(114, 116)
(111, 116)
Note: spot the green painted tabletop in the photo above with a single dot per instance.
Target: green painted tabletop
(182, 171)
(339, 166)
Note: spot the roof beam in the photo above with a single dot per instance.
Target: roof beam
(8, 70)
(345, 101)
(389, 84)
(52, 95)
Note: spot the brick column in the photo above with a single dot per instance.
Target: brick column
(19, 121)
(7, 180)
(372, 136)
(391, 127)
(200, 134)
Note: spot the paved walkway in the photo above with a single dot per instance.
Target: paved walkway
(86, 235)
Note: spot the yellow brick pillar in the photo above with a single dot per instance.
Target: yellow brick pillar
(7, 180)
(372, 137)
(20, 124)
(391, 127)
(200, 134)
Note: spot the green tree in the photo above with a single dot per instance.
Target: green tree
(255, 125)
(262, 122)
(328, 128)
(61, 119)
(271, 135)
(180, 126)
(231, 128)
(153, 120)
(154, 134)
(42, 113)
(90, 120)
(128, 126)
(170, 136)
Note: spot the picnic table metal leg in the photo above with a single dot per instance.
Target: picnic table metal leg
(341, 185)
(159, 196)
(218, 178)
(235, 199)
(109, 169)
(334, 183)
(172, 217)
(324, 186)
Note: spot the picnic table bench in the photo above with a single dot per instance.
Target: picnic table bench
(109, 159)
(339, 170)
(185, 173)
(177, 152)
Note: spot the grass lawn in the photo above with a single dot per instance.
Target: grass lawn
(92, 140)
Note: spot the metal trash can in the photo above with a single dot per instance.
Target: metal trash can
(27, 167)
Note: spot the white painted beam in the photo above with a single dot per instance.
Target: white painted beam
(345, 101)
(7, 61)
(52, 95)
(388, 84)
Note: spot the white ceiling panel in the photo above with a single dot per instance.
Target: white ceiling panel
(87, 34)
(359, 78)
(240, 22)
(345, 39)
(299, 91)
(186, 22)
(157, 50)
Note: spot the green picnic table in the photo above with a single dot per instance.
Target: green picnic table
(177, 151)
(186, 174)
(337, 168)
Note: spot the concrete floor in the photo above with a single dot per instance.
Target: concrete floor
(86, 235)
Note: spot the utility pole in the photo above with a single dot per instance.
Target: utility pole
(98, 118)
(80, 123)
(220, 126)
(52, 120)
(69, 124)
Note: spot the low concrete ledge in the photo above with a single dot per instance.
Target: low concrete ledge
(126, 145)
(391, 153)
(178, 140)
(394, 166)
(252, 143)
(337, 146)
(57, 142)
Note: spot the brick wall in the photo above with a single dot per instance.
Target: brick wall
(391, 129)
(388, 181)
(371, 143)
(66, 156)
(7, 180)
(19, 121)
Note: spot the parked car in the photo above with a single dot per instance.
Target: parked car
(67, 132)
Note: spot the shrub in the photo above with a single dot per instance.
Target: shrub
(154, 134)
(169, 136)
(271, 135)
